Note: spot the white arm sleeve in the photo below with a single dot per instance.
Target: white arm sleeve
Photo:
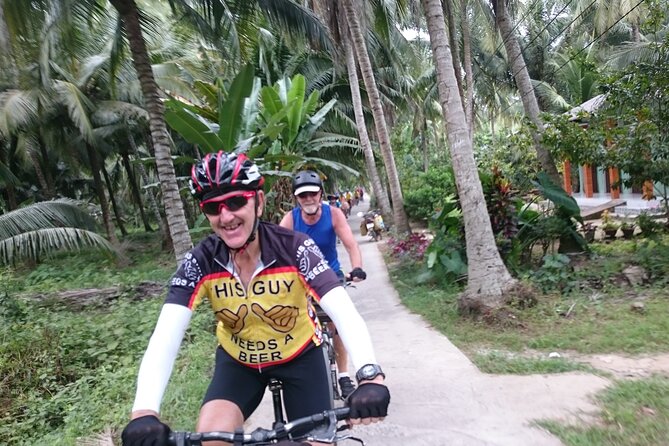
(350, 326)
(158, 360)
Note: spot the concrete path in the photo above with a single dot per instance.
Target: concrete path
(438, 397)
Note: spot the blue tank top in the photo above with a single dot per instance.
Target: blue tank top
(323, 234)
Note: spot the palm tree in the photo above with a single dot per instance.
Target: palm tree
(60, 21)
(7, 64)
(399, 214)
(467, 64)
(329, 14)
(174, 211)
(488, 277)
(363, 136)
(525, 89)
(42, 228)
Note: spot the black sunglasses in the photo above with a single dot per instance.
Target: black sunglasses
(231, 203)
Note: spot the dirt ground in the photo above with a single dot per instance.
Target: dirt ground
(625, 367)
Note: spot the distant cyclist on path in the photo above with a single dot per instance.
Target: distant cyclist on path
(261, 282)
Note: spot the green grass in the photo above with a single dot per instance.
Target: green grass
(634, 413)
(501, 363)
(70, 373)
(600, 321)
(590, 313)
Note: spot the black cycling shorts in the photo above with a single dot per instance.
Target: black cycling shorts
(306, 387)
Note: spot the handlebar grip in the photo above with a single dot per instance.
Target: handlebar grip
(177, 438)
(342, 413)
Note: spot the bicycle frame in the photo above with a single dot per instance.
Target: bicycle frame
(330, 354)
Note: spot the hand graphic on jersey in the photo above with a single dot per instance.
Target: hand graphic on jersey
(234, 321)
(279, 317)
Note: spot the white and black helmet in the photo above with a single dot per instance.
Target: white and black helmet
(307, 181)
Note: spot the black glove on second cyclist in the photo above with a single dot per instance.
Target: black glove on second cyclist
(145, 431)
(357, 273)
(369, 400)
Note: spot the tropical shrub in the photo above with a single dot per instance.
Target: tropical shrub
(512, 153)
(554, 274)
(426, 192)
(545, 227)
(411, 247)
(648, 225)
(503, 206)
(447, 255)
(653, 256)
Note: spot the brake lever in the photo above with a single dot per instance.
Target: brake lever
(327, 433)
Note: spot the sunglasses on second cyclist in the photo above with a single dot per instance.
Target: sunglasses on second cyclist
(231, 203)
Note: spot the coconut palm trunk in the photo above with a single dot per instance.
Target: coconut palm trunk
(7, 63)
(399, 214)
(524, 84)
(488, 277)
(134, 187)
(176, 220)
(448, 8)
(102, 197)
(112, 199)
(363, 136)
(469, 72)
(153, 204)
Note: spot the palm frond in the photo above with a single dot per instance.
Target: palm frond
(547, 92)
(45, 214)
(36, 244)
(112, 112)
(331, 165)
(327, 140)
(298, 21)
(78, 107)
(7, 177)
(629, 53)
(17, 109)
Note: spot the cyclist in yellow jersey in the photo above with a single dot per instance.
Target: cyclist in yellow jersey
(261, 282)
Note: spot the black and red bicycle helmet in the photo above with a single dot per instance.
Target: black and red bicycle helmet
(219, 173)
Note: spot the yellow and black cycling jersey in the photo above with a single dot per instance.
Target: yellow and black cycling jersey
(273, 319)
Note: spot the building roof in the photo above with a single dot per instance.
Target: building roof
(589, 106)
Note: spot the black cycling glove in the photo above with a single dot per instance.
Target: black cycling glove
(145, 431)
(369, 400)
(359, 273)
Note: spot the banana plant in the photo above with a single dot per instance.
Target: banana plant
(300, 140)
(278, 126)
(275, 125)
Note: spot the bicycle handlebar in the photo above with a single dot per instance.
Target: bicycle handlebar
(260, 436)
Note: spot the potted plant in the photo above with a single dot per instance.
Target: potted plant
(609, 226)
(628, 229)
